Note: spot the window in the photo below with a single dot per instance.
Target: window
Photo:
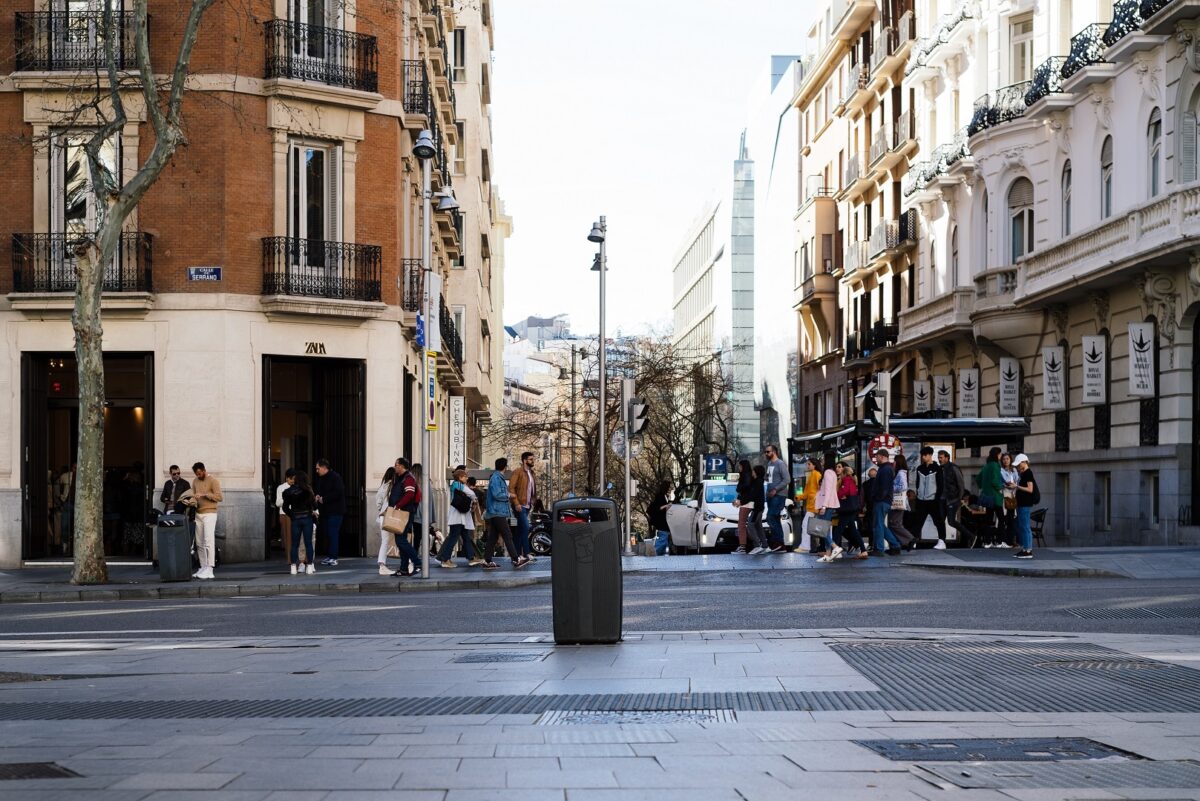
(459, 315)
(1187, 147)
(1066, 199)
(319, 14)
(1104, 501)
(1020, 216)
(1150, 498)
(460, 149)
(314, 197)
(1106, 178)
(1154, 150)
(981, 254)
(460, 55)
(1020, 34)
(954, 256)
(74, 207)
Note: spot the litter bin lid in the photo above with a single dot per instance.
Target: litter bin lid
(605, 506)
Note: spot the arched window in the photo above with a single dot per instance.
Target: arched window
(954, 257)
(1106, 178)
(1154, 150)
(1020, 218)
(1066, 199)
(981, 248)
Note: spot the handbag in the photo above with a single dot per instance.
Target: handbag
(820, 527)
(1010, 503)
(395, 521)
(900, 501)
(461, 502)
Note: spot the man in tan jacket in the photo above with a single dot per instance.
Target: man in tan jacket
(524, 489)
(207, 492)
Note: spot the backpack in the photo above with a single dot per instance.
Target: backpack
(1037, 493)
(461, 501)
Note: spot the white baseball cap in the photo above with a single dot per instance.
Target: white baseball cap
(1021, 458)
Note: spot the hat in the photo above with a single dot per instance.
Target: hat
(1020, 458)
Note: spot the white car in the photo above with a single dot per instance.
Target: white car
(703, 517)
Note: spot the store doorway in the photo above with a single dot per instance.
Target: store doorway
(50, 434)
(314, 409)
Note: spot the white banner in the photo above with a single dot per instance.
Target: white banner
(968, 392)
(1054, 393)
(433, 326)
(431, 391)
(1095, 370)
(1141, 360)
(1010, 387)
(943, 393)
(921, 396)
(458, 430)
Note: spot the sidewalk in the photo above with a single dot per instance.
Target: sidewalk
(1130, 562)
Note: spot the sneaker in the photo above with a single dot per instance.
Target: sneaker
(740, 549)
(311, 569)
(208, 574)
(293, 569)
(777, 549)
(826, 558)
(332, 563)
(329, 560)
(1023, 555)
(940, 545)
(1001, 545)
(758, 550)
(530, 559)
(476, 562)
(490, 566)
(447, 563)
(520, 563)
(838, 553)
(384, 570)
(197, 575)
(988, 545)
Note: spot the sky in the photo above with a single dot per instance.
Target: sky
(627, 109)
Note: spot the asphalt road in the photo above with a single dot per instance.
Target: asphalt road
(742, 600)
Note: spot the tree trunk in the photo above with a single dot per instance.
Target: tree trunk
(90, 567)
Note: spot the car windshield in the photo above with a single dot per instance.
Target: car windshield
(720, 493)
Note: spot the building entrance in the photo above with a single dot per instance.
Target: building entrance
(315, 409)
(1195, 510)
(50, 434)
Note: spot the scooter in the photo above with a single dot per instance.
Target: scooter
(539, 530)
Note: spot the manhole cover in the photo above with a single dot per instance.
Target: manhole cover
(500, 656)
(16, 771)
(1016, 749)
(1103, 664)
(563, 717)
(1094, 775)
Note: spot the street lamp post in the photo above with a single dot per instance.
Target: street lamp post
(599, 234)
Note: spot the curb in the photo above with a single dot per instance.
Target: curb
(206, 590)
(1023, 571)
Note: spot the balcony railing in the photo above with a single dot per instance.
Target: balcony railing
(1047, 79)
(880, 144)
(1087, 48)
(451, 340)
(57, 41)
(885, 45)
(903, 131)
(856, 78)
(416, 88)
(855, 169)
(1007, 104)
(1127, 18)
(816, 190)
(1149, 8)
(937, 315)
(906, 29)
(958, 149)
(884, 333)
(857, 255)
(996, 282)
(967, 9)
(46, 263)
(412, 285)
(908, 227)
(315, 268)
(324, 55)
(885, 237)
(920, 174)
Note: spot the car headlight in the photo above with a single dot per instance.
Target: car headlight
(713, 518)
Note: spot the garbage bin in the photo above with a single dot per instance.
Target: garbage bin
(173, 543)
(585, 564)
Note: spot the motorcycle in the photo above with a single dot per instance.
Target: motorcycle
(539, 530)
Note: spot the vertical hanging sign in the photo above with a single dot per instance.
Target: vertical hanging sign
(921, 393)
(458, 430)
(943, 393)
(1010, 387)
(968, 392)
(1054, 395)
(430, 399)
(1095, 370)
(433, 326)
(1141, 360)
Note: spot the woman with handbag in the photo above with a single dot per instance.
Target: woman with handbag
(827, 505)
(991, 490)
(743, 503)
(848, 508)
(386, 539)
(462, 522)
(895, 520)
(404, 498)
(1008, 512)
(299, 504)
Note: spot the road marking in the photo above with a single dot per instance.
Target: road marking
(94, 632)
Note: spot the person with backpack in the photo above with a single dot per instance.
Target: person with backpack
(1028, 496)
(930, 492)
(462, 522)
(500, 502)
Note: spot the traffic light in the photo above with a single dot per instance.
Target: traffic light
(638, 415)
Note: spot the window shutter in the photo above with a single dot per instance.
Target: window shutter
(334, 229)
(1021, 194)
(1187, 147)
(1106, 152)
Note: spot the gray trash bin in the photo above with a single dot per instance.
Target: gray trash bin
(173, 544)
(585, 564)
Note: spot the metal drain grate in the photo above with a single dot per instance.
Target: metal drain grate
(18, 771)
(500, 656)
(1135, 613)
(1016, 749)
(659, 717)
(1104, 664)
(1083, 775)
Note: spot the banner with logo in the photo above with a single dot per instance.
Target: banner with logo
(921, 396)
(1054, 387)
(1141, 360)
(943, 393)
(458, 430)
(1010, 387)
(968, 392)
(1095, 370)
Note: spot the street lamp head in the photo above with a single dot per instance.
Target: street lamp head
(597, 234)
(424, 149)
(445, 199)
(596, 264)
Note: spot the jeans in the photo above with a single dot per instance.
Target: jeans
(660, 543)
(882, 532)
(332, 526)
(457, 531)
(1024, 529)
(521, 536)
(775, 506)
(931, 508)
(302, 527)
(497, 527)
(206, 538)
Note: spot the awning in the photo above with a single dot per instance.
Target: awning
(966, 431)
(862, 393)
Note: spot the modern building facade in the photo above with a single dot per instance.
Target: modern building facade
(262, 310)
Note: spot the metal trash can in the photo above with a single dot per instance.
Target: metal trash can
(173, 544)
(585, 565)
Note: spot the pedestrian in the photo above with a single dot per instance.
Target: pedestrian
(953, 485)
(758, 501)
(285, 523)
(881, 499)
(386, 538)
(867, 505)
(900, 504)
(461, 522)
(500, 502)
(524, 488)
(656, 517)
(930, 494)
(849, 503)
(331, 508)
(812, 486)
(405, 496)
(299, 506)
(206, 491)
(1028, 496)
(778, 479)
(828, 504)
(743, 503)
(1008, 510)
(66, 498)
(174, 488)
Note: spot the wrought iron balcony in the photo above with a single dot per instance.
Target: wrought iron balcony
(1007, 104)
(1149, 8)
(880, 144)
(958, 149)
(1087, 48)
(46, 263)
(417, 98)
(1047, 79)
(412, 285)
(884, 333)
(919, 175)
(906, 29)
(316, 268)
(63, 41)
(1127, 18)
(908, 228)
(979, 116)
(451, 340)
(885, 237)
(324, 55)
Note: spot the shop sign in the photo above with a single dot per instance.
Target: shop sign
(430, 403)
(314, 348)
(943, 393)
(886, 441)
(204, 273)
(1141, 360)
(1054, 392)
(968, 392)
(921, 396)
(1010, 387)
(458, 430)
(712, 464)
(433, 326)
(1095, 370)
